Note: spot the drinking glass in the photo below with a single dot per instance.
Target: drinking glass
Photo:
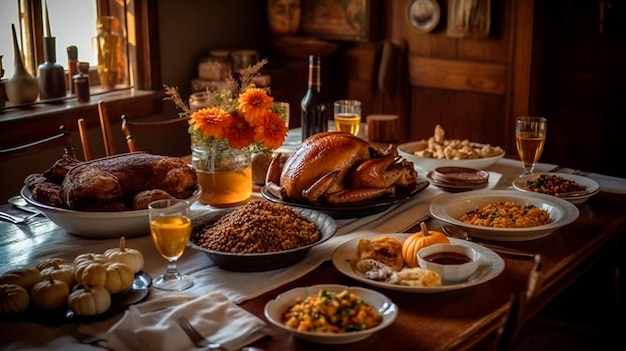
(530, 137)
(170, 227)
(283, 107)
(348, 116)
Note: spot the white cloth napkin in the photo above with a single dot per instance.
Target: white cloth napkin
(152, 325)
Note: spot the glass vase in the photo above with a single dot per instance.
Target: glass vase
(225, 173)
(108, 41)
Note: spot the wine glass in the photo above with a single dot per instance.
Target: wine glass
(170, 226)
(530, 137)
(348, 116)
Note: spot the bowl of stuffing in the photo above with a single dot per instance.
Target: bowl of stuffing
(504, 215)
(359, 313)
(260, 235)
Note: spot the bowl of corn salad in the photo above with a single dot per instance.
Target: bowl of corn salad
(504, 215)
(331, 314)
(573, 188)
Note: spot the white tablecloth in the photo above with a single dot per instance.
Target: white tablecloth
(237, 286)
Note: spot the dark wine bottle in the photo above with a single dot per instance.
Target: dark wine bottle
(314, 109)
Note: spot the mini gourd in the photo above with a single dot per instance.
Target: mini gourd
(13, 299)
(62, 272)
(131, 257)
(119, 277)
(89, 301)
(419, 240)
(25, 277)
(49, 294)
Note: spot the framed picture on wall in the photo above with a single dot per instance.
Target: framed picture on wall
(424, 15)
(348, 20)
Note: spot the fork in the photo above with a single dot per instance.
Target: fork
(80, 336)
(15, 219)
(195, 337)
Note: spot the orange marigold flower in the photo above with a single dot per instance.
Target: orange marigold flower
(240, 133)
(211, 122)
(253, 102)
(271, 130)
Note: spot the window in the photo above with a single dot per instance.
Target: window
(73, 22)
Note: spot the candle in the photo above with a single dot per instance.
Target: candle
(48, 31)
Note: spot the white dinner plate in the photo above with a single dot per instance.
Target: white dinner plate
(491, 266)
(451, 207)
(592, 186)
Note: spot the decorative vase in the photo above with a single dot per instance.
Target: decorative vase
(22, 88)
(107, 40)
(51, 74)
(224, 173)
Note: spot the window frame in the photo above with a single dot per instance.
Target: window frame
(140, 19)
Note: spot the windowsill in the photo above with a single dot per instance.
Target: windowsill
(11, 112)
(19, 125)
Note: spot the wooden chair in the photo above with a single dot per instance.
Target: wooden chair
(65, 138)
(131, 129)
(84, 139)
(105, 125)
(514, 320)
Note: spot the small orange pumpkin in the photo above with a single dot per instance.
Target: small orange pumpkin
(419, 240)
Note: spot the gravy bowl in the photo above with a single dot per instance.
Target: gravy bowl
(453, 262)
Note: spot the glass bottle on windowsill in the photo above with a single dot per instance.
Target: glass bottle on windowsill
(81, 82)
(51, 74)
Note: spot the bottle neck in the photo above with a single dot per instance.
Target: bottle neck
(314, 77)
(50, 54)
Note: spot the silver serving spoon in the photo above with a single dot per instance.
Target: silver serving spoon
(19, 203)
(458, 233)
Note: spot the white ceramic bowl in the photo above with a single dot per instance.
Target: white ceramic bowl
(450, 272)
(407, 150)
(98, 225)
(592, 186)
(276, 307)
(450, 207)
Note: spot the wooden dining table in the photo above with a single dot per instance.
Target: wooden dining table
(463, 319)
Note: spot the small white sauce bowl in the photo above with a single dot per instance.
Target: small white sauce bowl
(450, 272)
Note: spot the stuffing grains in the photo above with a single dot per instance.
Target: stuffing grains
(258, 227)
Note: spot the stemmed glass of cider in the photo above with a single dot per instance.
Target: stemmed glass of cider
(170, 227)
(530, 137)
(348, 116)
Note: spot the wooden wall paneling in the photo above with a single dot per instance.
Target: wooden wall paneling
(457, 75)
(462, 115)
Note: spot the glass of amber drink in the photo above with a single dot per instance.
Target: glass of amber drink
(530, 137)
(348, 116)
(170, 227)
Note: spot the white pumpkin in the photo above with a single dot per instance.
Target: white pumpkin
(13, 299)
(25, 277)
(62, 272)
(49, 294)
(131, 257)
(89, 301)
(119, 277)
